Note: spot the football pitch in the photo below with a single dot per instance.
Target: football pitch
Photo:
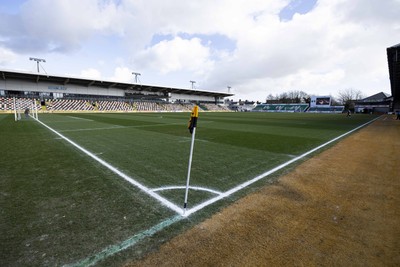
(82, 189)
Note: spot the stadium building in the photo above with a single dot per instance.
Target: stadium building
(393, 55)
(318, 104)
(378, 103)
(50, 89)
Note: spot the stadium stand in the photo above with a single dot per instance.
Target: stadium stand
(297, 108)
(113, 106)
(7, 104)
(69, 105)
(281, 108)
(117, 105)
(213, 107)
(332, 109)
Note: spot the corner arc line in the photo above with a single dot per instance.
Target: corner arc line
(197, 188)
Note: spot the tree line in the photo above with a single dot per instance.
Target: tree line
(345, 97)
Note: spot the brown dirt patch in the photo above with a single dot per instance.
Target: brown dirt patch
(339, 208)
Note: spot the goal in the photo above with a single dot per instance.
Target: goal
(25, 108)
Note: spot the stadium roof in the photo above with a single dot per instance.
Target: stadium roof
(64, 80)
(376, 97)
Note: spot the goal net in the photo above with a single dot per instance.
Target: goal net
(25, 108)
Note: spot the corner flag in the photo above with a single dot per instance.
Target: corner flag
(192, 129)
(193, 119)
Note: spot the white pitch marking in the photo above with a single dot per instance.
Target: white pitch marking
(197, 188)
(265, 174)
(221, 195)
(64, 121)
(187, 139)
(162, 200)
(153, 125)
(114, 127)
(77, 118)
(92, 129)
(131, 241)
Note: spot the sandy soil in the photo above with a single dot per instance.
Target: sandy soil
(340, 208)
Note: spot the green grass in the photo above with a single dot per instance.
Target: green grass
(59, 206)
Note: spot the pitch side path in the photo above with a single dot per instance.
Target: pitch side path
(340, 208)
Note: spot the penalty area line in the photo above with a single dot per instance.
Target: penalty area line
(267, 173)
(149, 192)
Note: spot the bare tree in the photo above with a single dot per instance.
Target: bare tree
(302, 97)
(294, 96)
(349, 95)
(270, 97)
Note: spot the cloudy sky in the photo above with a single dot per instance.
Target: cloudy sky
(257, 47)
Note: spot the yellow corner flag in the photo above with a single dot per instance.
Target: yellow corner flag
(192, 129)
(193, 119)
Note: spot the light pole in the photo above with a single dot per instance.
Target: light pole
(136, 76)
(193, 82)
(38, 60)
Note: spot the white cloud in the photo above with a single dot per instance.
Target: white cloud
(175, 55)
(62, 25)
(91, 73)
(6, 56)
(122, 74)
(323, 51)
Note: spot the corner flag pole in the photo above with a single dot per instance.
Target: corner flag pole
(192, 130)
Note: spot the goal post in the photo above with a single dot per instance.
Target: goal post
(34, 109)
(24, 107)
(15, 110)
